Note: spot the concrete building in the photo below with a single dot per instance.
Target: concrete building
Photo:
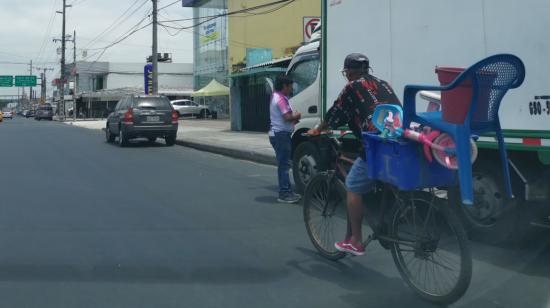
(101, 84)
(94, 76)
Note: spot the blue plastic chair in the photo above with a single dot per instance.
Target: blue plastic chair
(494, 75)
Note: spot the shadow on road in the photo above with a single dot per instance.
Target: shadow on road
(141, 143)
(367, 287)
(531, 256)
(266, 199)
(220, 275)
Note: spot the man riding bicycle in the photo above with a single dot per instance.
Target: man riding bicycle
(354, 107)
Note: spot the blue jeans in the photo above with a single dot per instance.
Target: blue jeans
(282, 144)
(357, 180)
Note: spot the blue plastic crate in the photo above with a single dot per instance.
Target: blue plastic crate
(401, 163)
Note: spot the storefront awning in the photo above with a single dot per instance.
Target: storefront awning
(214, 88)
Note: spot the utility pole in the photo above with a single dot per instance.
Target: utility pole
(43, 83)
(61, 106)
(74, 72)
(155, 47)
(62, 87)
(30, 88)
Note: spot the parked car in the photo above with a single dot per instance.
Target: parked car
(28, 113)
(150, 117)
(1, 116)
(7, 114)
(189, 107)
(44, 112)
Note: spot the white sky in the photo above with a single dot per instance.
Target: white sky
(26, 33)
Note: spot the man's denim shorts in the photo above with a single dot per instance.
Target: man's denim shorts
(357, 180)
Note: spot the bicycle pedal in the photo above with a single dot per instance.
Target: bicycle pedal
(369, 239)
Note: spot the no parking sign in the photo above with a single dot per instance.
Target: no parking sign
(310, 23)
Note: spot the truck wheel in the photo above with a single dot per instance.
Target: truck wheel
(493, 218)
(306, 163)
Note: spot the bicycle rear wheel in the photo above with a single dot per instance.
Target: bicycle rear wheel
(432, 253)
(325, 214)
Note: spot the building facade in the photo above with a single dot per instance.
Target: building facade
(101, 84)
(230, 35)
(209, 41)
(268, 33)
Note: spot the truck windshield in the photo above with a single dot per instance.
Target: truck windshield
(304, 74)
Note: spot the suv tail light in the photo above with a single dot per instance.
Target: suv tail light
(174, 117)
(128, 117)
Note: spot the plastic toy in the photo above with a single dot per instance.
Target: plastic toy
(387, 119)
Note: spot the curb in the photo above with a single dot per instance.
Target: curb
(235, 153)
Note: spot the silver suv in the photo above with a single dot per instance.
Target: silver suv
(44, 112)
(150, 117)
(189, 107)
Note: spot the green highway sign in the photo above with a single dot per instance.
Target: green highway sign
(25, 81)
(6, 81)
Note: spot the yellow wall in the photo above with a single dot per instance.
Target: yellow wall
(281, 30)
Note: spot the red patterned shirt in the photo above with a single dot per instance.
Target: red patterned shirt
(356, 103)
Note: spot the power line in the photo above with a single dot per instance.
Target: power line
(14, 63)
(247, 10)
(48, 32)
(179, 30)
(125, 35)
(104, 49)
(118, 21)
(168, 5)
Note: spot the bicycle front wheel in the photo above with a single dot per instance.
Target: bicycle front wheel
(325, 214)
(431, 252)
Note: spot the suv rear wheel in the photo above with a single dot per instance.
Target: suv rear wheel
(122, 139)
(170, 140)
(108, 135)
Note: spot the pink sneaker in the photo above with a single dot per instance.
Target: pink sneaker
(347, 246)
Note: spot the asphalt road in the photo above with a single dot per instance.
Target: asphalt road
(84, 223)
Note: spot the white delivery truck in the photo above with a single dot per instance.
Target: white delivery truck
(405, 40)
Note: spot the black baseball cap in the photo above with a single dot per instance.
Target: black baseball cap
(356, 61)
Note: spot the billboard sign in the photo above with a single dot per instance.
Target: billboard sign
(209, 32)
(148, 78)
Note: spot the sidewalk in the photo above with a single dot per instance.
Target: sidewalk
(213, 136)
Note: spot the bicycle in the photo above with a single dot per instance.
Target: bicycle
(419, 229)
